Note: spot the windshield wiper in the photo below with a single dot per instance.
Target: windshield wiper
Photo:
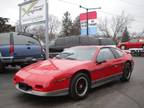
(58, 57)
(64, 55)
(70, 58)
(68, 54)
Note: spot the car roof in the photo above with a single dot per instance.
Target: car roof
(77, 36)
(93, 46)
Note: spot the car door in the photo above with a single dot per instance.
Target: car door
(119, 55)
(133, 44)
(105, 66)
(5, 44)
(25, 46)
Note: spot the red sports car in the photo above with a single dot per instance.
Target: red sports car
(75, 71)
(134, 43)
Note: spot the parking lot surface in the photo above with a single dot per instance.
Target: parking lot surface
(112, 95)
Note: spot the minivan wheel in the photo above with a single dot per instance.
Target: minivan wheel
(2, 67)
(143, 47)
(79, 86)
(127, 71)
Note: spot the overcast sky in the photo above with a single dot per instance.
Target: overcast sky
(9, 9)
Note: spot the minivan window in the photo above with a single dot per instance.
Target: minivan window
(60, 42)
(19, 39)
(71, 41)
(93, 41)
(89, 41)
(107, 42)
(4, 38)
(52, 43)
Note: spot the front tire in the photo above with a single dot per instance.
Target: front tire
(79, 86)
(127, 71)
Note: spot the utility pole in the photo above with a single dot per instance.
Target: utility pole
(47, 29)
(87, 10)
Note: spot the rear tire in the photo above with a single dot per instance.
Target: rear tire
(79, 86)
(127, 71)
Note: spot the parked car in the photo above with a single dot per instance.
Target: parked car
(58, 45)
(133, 43)
(75, 71)
(19, 49)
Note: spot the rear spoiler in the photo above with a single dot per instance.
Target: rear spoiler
(25, 34)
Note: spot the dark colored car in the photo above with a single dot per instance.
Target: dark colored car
(19, 49)
(58, 45)
(133, 43)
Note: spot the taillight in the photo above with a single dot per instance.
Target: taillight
(11, 50)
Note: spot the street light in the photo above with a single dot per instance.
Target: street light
(87, 9)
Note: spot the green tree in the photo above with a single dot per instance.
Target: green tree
(4, 27)
(125, 36)
(76, 26)
(67, 28)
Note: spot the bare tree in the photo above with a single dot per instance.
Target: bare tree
(104, 27)
(54, 25)
(39, 29)
(115, 26)
(23, 28)
(76, 26)
(119, 23)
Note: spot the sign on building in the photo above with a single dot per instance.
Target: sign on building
(32, 11)
(91, 16)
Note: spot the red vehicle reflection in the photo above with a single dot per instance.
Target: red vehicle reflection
(134, 43)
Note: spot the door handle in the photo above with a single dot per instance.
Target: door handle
(115, 66)
(28, 47)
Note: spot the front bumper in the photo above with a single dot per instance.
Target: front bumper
(11, 59)
(60, 92)
(6, 59)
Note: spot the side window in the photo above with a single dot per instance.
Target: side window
(52, 43)
(4, 39)
(71, 41)
(141, 40)
(60, 42)
(93, 41)
(105, 54)
(84, 40)
(25, 40)
(118, 53)
(134, 40)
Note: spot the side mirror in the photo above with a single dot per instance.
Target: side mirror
(100, 61)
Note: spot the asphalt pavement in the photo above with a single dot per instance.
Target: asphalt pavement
(112, 95)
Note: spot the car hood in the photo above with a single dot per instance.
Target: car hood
(48, 68)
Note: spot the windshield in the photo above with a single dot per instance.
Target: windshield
(77, 53)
